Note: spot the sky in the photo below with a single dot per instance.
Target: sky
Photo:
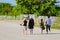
(58, 3)
(13, 2)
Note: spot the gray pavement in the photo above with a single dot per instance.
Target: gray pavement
(11, 30)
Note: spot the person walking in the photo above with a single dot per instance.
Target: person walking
(31, 25)
(25, 26)
(42, 26)
(48, 24)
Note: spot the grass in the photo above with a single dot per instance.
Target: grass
(53, 26)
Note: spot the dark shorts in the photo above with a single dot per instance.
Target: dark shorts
(42, 27)
(31, 27)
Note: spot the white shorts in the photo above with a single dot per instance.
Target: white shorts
(25, 27)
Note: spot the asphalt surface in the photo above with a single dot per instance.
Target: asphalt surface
(11, 30)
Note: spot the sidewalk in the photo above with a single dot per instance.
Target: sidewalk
(13, 31)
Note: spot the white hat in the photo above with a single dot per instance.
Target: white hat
(30, 16)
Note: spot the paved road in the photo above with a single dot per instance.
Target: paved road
(10, 30)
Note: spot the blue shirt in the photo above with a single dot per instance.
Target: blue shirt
(48, 20)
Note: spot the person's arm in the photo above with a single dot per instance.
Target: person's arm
(23, 22)
(46, 22)
(43, 23)
(33, 22)
(29, 23)
(50, 20)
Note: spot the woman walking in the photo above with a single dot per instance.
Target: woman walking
(31, 25)
(42, 26)
(25, 26)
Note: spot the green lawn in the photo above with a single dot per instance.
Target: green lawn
(53, 26)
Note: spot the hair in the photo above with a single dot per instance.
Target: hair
(48, 16)
(41, 19)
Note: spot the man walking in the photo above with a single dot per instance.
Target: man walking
(48, 24)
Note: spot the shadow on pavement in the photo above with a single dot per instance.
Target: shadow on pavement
(46, 34)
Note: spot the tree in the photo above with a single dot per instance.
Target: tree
(58, 11)
(15, 11)
(37, 7)
(5, 8)
(40, 7)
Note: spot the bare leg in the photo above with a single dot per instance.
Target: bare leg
(23, 31)
(26, 32)
(31, 31)
(41, 31)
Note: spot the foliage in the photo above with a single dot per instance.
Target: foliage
(42, 7)
(5, 8)
(37, 7)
